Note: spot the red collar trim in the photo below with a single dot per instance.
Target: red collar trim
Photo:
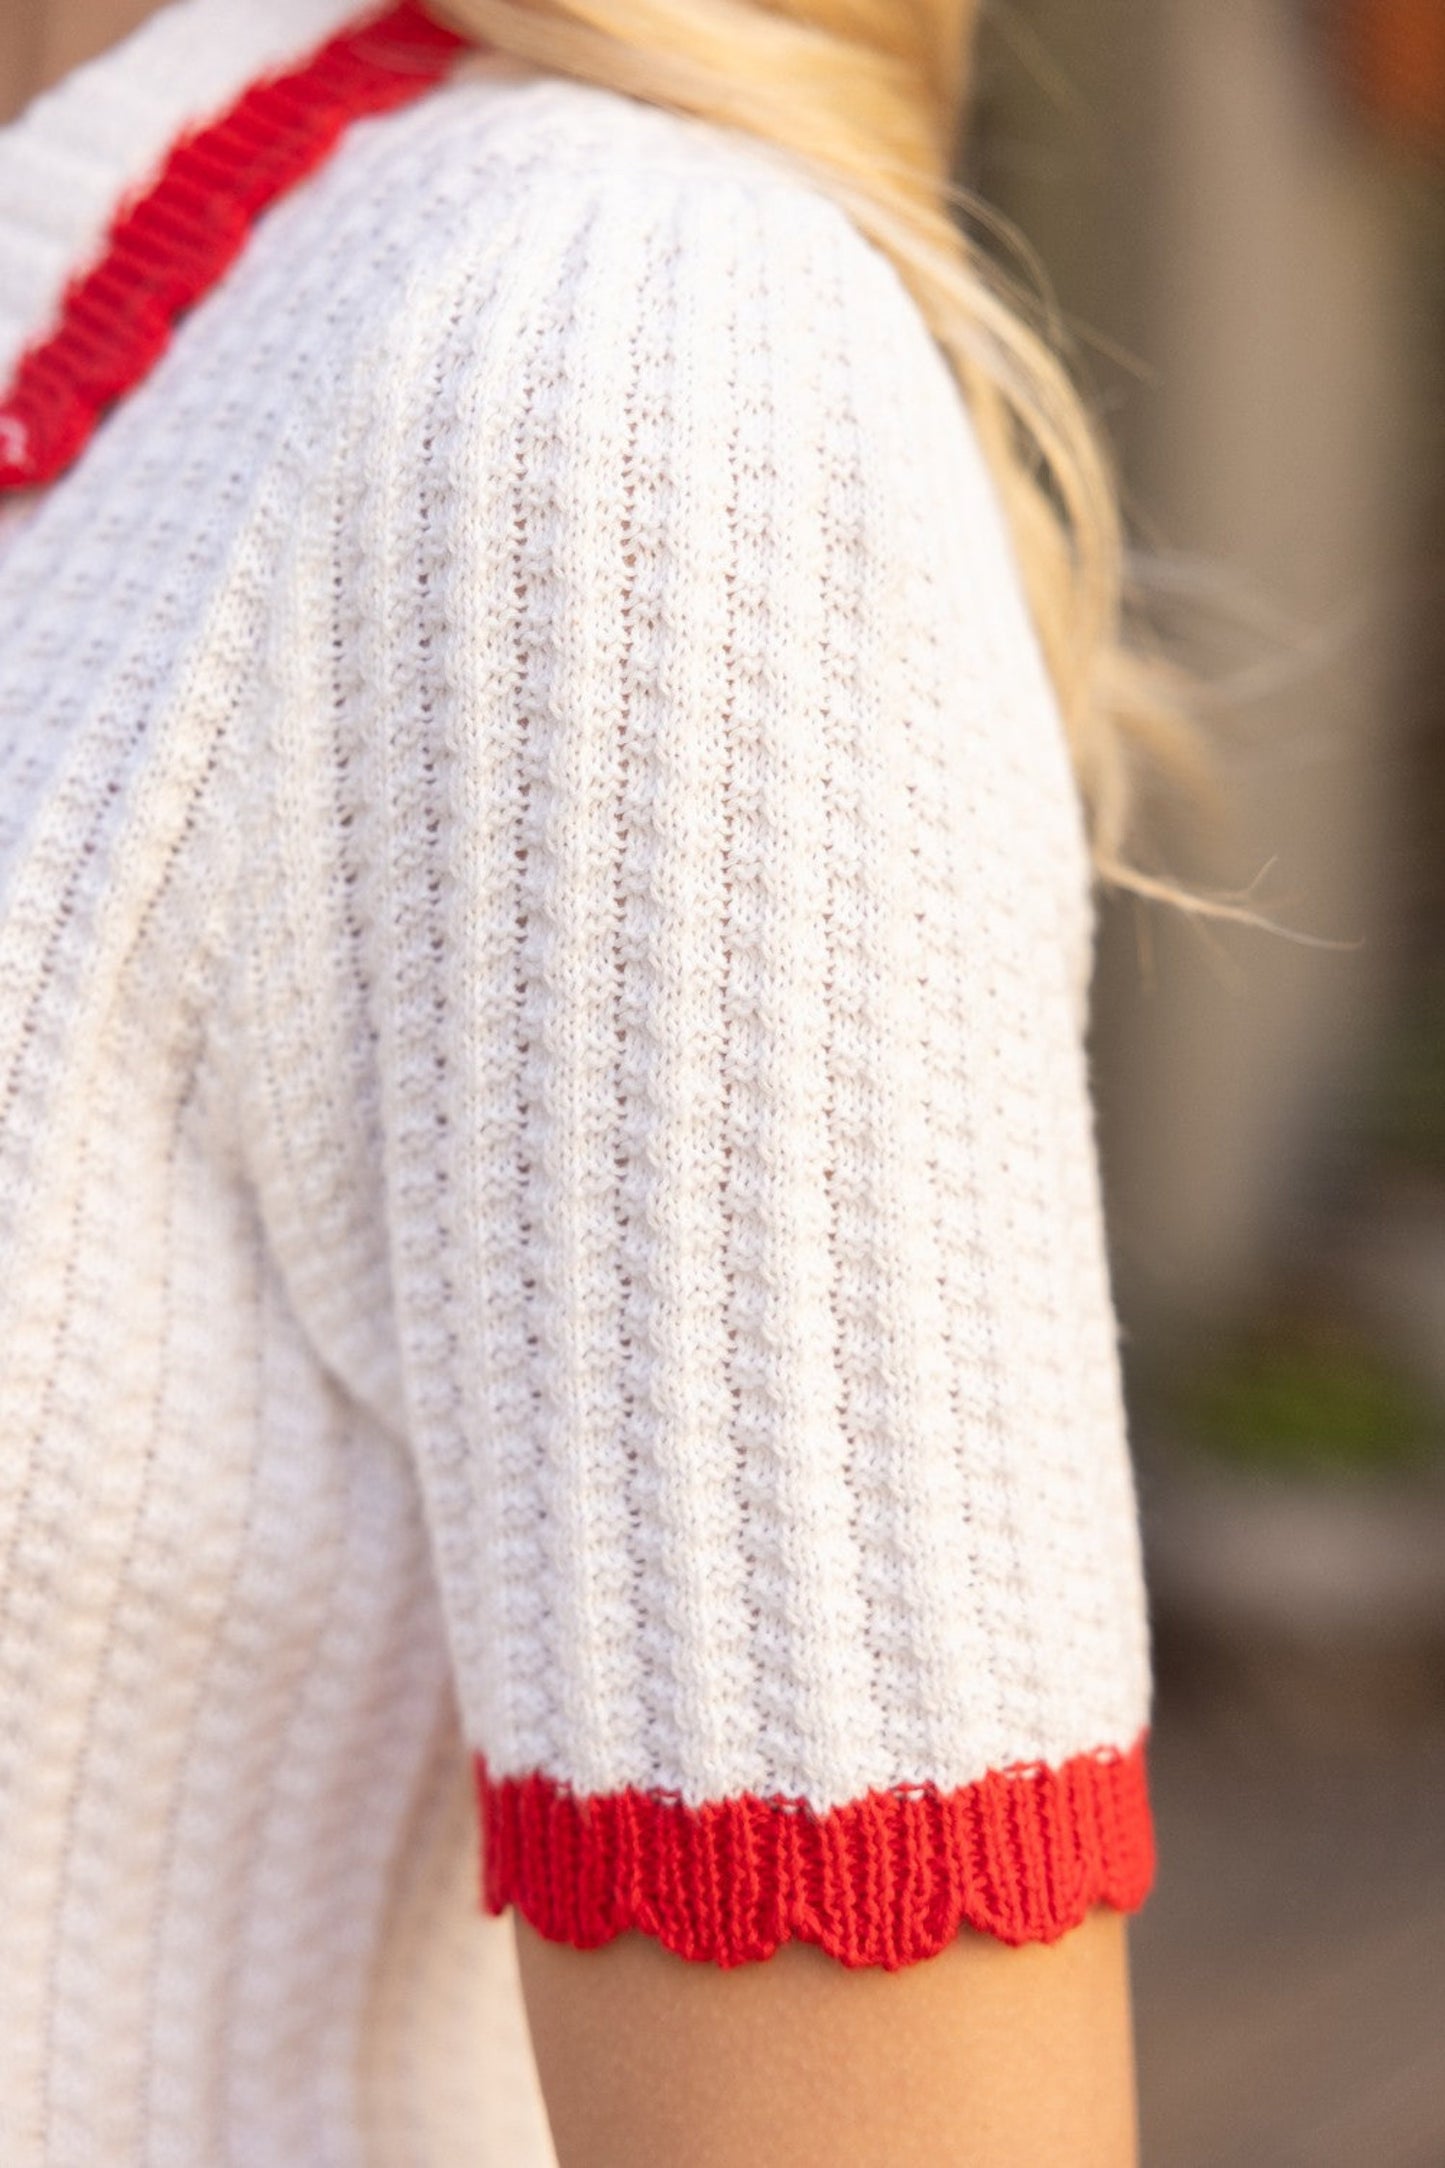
(171, 244)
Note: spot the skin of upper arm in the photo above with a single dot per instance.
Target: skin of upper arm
(984, 2056)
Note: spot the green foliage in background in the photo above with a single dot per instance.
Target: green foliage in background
(1307, 1396)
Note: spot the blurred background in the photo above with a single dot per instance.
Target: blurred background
(1238, 207)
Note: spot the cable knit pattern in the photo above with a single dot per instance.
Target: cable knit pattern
(551, 1260)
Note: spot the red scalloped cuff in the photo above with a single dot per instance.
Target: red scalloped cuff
(886, 1880)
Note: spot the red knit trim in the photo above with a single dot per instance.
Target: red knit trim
(169, 245)
(888, 1879)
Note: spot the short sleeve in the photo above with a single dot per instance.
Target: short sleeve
(718, 923)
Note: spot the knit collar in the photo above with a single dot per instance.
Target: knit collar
(127, 189)
(78, 150)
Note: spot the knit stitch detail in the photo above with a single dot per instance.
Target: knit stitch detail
(170, 243)
(885, 1880)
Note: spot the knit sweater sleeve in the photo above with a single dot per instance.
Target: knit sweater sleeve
(719, 918)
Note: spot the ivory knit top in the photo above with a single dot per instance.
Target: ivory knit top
(557, 1341)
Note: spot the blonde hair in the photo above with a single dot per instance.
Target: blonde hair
(865, 98)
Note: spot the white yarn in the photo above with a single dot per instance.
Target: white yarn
(548, 1199)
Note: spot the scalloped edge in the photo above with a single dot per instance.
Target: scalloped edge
(1022, 1854)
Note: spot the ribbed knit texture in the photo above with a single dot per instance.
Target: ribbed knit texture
(550, 1235)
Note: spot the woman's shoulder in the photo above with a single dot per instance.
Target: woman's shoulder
(507, 121)
(549, 237)
(547, 169)
(621, 386)
(540, 213)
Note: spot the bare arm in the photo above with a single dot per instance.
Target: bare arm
(982, 2057)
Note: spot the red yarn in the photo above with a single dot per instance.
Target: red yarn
(888, 1879)
(169, 245)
